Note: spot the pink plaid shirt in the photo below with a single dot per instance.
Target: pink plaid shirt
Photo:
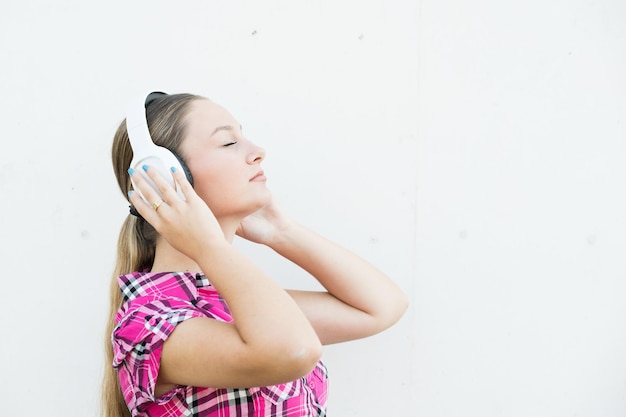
(154, 304)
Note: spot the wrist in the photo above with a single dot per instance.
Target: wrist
(284, 235)
(211, 248)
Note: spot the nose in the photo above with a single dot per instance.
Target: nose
(257, 154)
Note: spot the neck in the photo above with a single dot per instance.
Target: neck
(169, 259)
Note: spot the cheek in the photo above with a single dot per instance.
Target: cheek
(216, 186)
(209, 185)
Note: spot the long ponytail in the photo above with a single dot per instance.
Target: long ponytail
(136, 244)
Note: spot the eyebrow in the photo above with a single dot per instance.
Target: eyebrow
(226, 127)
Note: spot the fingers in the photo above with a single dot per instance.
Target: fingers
(147, 210)
(183, 183)
(186, 224)
(164, 187)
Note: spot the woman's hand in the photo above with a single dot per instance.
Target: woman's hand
(188, 225)
(265, 226)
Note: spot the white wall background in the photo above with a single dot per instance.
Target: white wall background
(473, 150)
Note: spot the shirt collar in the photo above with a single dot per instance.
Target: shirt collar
(177, 284)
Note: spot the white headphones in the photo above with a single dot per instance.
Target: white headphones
(145, 152)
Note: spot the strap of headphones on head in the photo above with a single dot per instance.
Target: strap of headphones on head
(153, 96)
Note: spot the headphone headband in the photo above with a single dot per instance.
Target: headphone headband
(145, 151)
(137, 123)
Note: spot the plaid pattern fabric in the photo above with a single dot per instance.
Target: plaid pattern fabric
(154, 303)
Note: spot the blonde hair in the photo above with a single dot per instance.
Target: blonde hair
(137, 239)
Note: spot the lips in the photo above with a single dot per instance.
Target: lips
(260, 176)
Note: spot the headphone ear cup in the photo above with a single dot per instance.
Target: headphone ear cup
(186, 169)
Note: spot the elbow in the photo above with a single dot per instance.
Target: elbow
(300, 359)
(401, 305)
(396, 307)
(280, 363)
(295, 360)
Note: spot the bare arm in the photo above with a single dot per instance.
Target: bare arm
(361, 300)
(271, 341)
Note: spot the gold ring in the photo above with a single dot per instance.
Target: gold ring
(156, 206)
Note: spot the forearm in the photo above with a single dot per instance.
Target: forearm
(263, 313)
(343, 274)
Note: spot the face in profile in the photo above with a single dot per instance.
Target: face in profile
(225, 165)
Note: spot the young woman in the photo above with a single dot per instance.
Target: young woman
(196, 329)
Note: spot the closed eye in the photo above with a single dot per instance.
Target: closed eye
(230, 143)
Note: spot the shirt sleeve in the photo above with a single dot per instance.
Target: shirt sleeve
(138, 342)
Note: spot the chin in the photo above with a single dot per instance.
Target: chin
(263, 201)
(254, 204)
